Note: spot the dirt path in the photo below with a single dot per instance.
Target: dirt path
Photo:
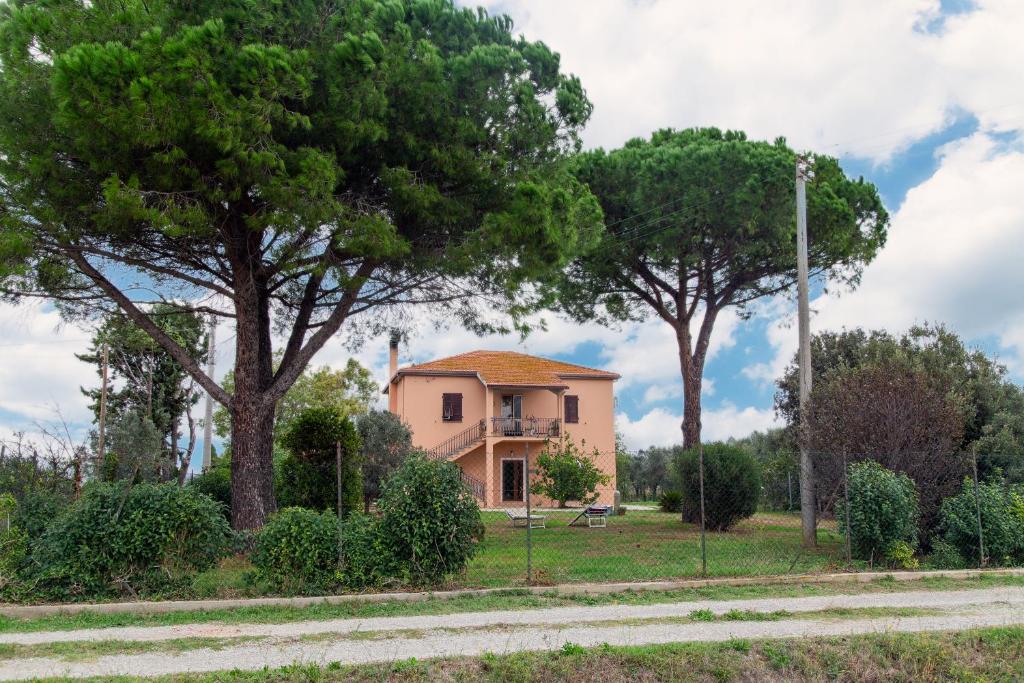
(502, 632)
(550, 616)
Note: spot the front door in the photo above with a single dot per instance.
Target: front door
(512, 414)
(512, 480)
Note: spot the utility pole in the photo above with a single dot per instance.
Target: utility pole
(808, 522)
(211, 346)
(101, 437)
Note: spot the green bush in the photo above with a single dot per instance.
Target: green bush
(945, 556)
(901, 554)
(36, 511)
(883, 512)
(566, 473)
(367, 562)
(307, 476)
(216, 483)
(126, 539)
(297, 550)
(671, 501)
(732, 485)
(428, 520)
(1001, 524)
(13, 544)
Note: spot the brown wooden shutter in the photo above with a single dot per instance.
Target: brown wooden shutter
(572, 409)
(451, 407)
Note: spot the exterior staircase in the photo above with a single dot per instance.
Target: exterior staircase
(458, 444)
(461, 442)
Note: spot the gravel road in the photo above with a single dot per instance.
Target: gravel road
(509, 631)
(551, 616)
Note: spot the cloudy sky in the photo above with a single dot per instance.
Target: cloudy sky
(920, 96)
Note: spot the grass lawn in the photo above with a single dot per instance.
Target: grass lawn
(994, 654)
(646, 545)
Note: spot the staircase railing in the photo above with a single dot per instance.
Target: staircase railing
(459, 442)
(474, 484)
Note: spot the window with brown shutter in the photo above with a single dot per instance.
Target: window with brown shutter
(451, 407)
(572, 409)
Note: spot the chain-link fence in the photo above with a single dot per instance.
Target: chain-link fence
(731, 515)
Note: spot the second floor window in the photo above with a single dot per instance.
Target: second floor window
(572, 409)
(451, 407)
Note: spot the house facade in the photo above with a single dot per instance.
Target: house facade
(492, 412)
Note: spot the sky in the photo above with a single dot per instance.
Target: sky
(921, 97)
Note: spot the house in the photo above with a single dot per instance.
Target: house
(488, 410)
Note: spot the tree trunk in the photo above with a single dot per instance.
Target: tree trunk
(252, 418)
(252, 464)
(691, 374)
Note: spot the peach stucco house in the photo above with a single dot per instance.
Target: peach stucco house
(485, 410)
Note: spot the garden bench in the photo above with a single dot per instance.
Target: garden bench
(520, 518)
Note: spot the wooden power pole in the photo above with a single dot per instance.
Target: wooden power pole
(211, 349)
(808, 523)
(101, 436)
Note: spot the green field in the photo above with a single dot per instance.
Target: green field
(645, 545)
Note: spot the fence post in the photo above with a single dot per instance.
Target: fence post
(977, 508)
(529, 520)
(846, 502)
(703, 535)
(341, 536)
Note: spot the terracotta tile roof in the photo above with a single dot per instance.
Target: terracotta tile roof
(502, 368)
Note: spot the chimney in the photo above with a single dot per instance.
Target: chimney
(393, 354)
(392, 369)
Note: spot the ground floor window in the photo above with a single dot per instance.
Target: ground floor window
(512, 479)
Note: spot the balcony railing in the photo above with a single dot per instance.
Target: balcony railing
(538, 427)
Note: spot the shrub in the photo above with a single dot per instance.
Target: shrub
(945, 556)
(1002, 526)
(671, 501)
(366, 561)
(13, 543)
(307, 476)
(216, 483)
(386, 442)
(901, 554)
(883, 511)
(297, 550)
(732, 485)
(36, 511)
(567, 473)
(428, 520)
(125, 539)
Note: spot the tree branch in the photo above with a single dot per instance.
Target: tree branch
(137, 316)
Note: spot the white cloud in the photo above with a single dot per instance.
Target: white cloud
(824, 74)
(39, 372)
(953, 256)
(660, 427)
(953, 252)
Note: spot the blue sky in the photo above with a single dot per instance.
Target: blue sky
(922, 97)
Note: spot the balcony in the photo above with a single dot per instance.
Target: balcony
(527, 427)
